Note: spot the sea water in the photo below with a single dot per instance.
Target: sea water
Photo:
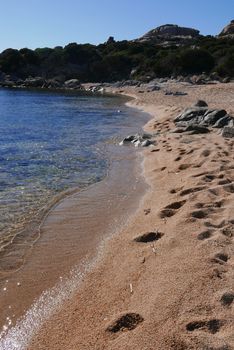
(51, 142)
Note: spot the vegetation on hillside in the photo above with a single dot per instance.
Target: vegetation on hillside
(121, 60)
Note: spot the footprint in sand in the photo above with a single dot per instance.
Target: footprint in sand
(205, 235)
(220, 225)
(199, 164)
(205, 153)
(126, 322)
(224, 182)
(228, 230)
(227, 298)
(211, 326)
(191, 190)
(220, 258)
(175, 190)
(149, 237)
(184, 166)
(200, 174)
(171, 209)
(229, 188)
(200, 214)
(155, 150)
(147, 211)
(208, 178)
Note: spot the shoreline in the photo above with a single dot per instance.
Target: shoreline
(111, 191)
(163, 283)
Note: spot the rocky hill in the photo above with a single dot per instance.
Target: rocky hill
(168, 33)
(228, 30)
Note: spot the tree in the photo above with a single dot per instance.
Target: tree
(196, 61)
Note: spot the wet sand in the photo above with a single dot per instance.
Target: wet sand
(172, 289)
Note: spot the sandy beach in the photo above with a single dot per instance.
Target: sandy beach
(173, 288)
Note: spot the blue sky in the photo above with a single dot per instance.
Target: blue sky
(41, 23)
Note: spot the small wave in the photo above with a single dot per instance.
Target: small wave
(19, 336)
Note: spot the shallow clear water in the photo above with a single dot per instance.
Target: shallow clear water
(50, 142)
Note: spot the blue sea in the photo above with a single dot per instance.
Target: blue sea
(51, 142)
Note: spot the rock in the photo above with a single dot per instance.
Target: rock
(228, 30)
(8, 83)
(52, 84)
(178, 130)
(137, 143)
(226, 80)
(197, 118)
(200, 103)
(231, 122)
(191, 113)
(110, 40)
(180, 93)
(129, 138)
(34, 82)
(146, 143)
(197, 129)
(214, 76)
(153, 88)
(222, 122)
(169, 31)
(138, 140)
(146, 136)
(228, 132)
(72, 84)
(212, 117)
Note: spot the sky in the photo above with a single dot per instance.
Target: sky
(49, 23)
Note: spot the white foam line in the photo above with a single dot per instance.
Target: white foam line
(19, 336)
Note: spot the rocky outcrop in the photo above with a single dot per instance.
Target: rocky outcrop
(198, 118)
(228, 30)
(169, 32)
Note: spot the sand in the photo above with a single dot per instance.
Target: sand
(175, 289)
